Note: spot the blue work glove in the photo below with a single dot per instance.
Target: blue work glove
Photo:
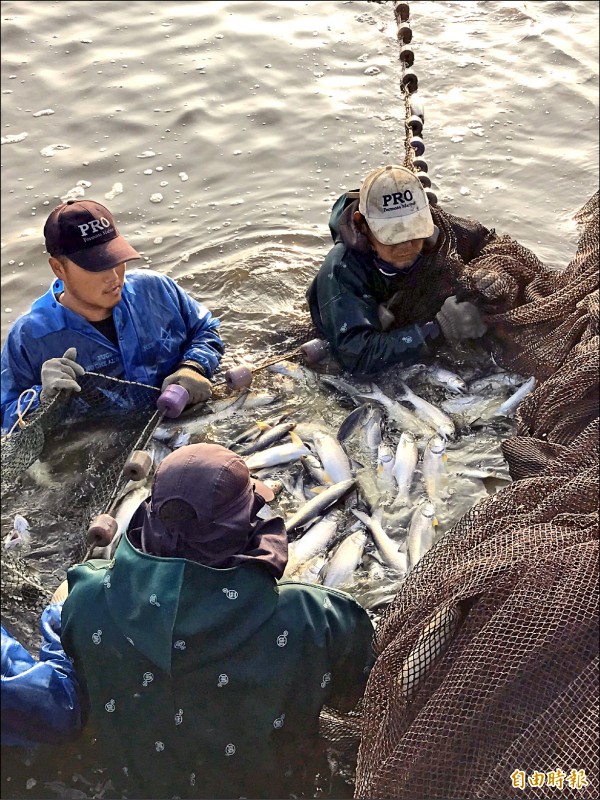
(61, 373)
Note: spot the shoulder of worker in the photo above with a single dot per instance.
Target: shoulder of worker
(331, 607)
(44, 315)
(149, 283)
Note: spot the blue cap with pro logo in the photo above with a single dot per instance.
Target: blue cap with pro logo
(85, 232)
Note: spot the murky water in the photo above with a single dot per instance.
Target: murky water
(248, 119)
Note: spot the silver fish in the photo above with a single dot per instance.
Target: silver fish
(396, 411)
(432, 643)
(435, 474)
(340, 385)
(196, 424)
(316, 506)
(340, 568)
(312, 570)
(495, 382)
(429, 413)
(315, 540)
(280, 454)
(407, 454)
(354, 420)
(255, 430)
(388, 549)
(158, 451)
(386, 462)
(269, 437)
(508, 408)
(371, 431)
(420, 532)
(333, 457)
(314, 469)
(19, 535)
(469, 405)
(446, 378)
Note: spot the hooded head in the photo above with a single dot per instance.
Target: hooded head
(206, 508)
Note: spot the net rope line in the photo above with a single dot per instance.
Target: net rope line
(408, 150)
(20, 421)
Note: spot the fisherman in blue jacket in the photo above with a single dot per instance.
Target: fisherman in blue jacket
(138, 326)
(387, 289)
(40, 702)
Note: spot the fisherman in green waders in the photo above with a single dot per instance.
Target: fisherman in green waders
(205, 677)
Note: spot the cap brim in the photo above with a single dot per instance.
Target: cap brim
(104, 256)
(263, 490)
(403, 229)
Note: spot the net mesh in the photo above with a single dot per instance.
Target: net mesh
(486, 677)
(66, 460)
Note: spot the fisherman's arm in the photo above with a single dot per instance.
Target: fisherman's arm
(203, 349)
(17, 376)
(353, 329)
(204, 345)
(39, 698)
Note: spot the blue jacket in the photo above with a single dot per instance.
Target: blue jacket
(39, 698)
(158, 325)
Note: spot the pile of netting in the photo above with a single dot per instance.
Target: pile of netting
(61, 467)
(486, 678)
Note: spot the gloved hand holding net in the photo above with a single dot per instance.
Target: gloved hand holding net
(198, 387)
(460, 321)
(61, 373)
(489, 283)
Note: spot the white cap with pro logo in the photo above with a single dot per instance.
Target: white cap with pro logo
(395, 205)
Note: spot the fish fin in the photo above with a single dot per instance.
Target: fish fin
(327, 477)
(435, 522)
(445, 457)
(379, 469)
(295, 438)
(318, 489)
(263, 426)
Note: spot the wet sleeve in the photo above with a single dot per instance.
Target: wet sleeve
(17, 376)
(352, 326)
(204, 345)
(40, 701)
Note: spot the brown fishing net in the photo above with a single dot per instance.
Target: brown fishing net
(486, 678)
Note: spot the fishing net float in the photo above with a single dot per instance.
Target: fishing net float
(170, 404)
(414, 111)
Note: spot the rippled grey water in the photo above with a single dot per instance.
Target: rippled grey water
(249, 119)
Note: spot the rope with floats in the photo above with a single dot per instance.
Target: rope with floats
(414, 114)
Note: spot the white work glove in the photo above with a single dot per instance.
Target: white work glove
(460, 321)
(61, 373)
(198, 387)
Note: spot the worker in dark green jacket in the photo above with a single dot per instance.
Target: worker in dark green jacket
(386, 290)
(204, 675)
